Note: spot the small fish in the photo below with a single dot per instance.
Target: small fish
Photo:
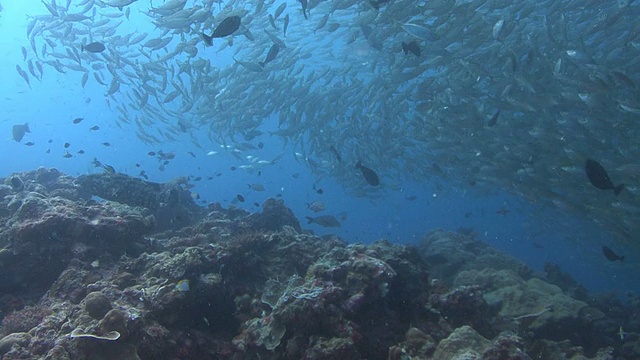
(108, 169)
(30, 143)
(411, 197)
(411, 47)
(369, 175)
(304, 8)
(151, 153)
(621, 333)
(286, 25)
(503, 211)
(271, 55)
(94, 47)
(66, 145)
(256, 187)
(240, 198)
(494, 119)
(77, 120)
(94, 128)
(67, 155)
(316, 206)
(324, 221)
(336, 153)
(376, 4)
(320, 191)
(182, 286)
(280, 10)
(106, 144)
(227, 27)
(23, 74)
(419, 31)
(599, 178)
(610, 255)
(81, 152)
(18, 131)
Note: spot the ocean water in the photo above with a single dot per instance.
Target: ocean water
(526, 228)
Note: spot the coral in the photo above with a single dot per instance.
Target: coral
(261, 287)
(273, 217)
(23, 320)
(172, 206)
(465, 306)
(96, 304)
(21, 339)
(463, 343)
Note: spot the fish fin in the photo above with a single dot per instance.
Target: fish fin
(26, 126)
(208, 40)
(618, 189)
(309, 219)
(261, 63)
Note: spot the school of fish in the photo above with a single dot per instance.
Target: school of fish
(496, 94)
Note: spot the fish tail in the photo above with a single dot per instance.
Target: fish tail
(261, 63)
(309, 219)
(618, 189)
(208, 40)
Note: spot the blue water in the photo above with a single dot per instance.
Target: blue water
(50, 106)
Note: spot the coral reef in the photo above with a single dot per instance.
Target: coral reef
(89, 279)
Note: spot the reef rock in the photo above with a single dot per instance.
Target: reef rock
(171, 205)
(463, 343)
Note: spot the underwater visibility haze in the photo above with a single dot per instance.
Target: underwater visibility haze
(207, 179)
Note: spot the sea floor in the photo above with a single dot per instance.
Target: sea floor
(112, 267)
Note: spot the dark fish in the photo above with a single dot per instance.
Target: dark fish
(411, 47)
(369, 175)
(108, 169)
(336, 153)
(151, 153)
(106, 144)
(19, 131)
(77, 120)
(494, 119)
(227, 27)
(304, 8)
(80, 152)
(411, 197)
(66, 145)
(324, 221)
(610, 255)
(16, 183)
(240, 198)
(67, 155)
(30, 143)
(94, 128)
(599, 178)
(376, 4)
(271, 55)
(94, 47)
(320, 191)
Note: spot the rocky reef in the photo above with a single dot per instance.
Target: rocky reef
(87, 272)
